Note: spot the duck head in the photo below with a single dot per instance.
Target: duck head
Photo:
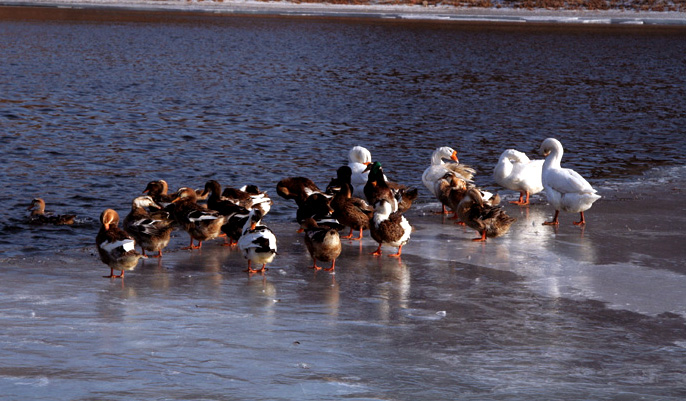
(109, 218)
(185, 194)
(37, 206)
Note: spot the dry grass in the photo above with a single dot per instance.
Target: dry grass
(635, 5)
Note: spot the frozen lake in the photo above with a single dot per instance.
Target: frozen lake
(92, 111)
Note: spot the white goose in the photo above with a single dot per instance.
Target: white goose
(438, 168)
(359, 158)
(565, 189)
(257, 242)
(516, 172)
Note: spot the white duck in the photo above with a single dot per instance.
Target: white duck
(438, 168)
(565, 189)
(359, 158)
(516, 172)
(257, 242)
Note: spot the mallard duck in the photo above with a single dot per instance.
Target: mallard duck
(296, 188)
(158, 191)
(351, 211)
(489, 221)
(257, 242)
(151, 231)
(450, 190)
(318, 207)
(377, 188)
(565, 189)
(115, 246)
(200, 223)
(439, 168)
(236, 215)
(388, 227)
(323, 244)
(516, 172)
(39, 216)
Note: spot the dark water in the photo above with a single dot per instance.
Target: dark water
(92, 111)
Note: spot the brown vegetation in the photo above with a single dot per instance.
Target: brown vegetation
(620, 5)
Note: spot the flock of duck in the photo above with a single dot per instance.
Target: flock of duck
(360, 198)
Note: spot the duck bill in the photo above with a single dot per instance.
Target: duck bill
(453, 157)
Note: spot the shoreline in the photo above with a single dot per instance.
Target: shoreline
(439, 14)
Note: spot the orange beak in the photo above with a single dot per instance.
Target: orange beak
(253, 225)
(454, 156)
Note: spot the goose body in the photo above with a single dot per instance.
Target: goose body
(489, 221)
(389, 228)
(257, 242)
(565, 189)
(358, 160)
(115, 247)
(517, 172)
(323, 244)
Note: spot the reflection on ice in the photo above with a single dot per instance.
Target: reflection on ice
(562, 261)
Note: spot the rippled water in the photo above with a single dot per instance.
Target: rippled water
(92, 111)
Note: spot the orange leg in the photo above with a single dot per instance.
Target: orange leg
(159, 254)
(443, 210)
(397, 255)
(555, 221)
(314, 265)
(333, 266)
(349, 236)
(378, 251)
(482, 238)
(358, 238)
(521, 201)
(191, 246)
(251, 270)
(112, 274)
(582, 222)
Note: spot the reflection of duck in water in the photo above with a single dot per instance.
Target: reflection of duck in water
(39, 216)
(565, 189)
(115, 246)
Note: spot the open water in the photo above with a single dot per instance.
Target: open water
(90, 111)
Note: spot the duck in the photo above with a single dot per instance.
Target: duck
(377, 188)
(515, 171)
(157, 189)
(200, 223)
(351, 211)
(151, 231)
(297, 188)
(565, 189)
(323, 244)
(39, 216)
(388, 227)
(236, 215)
(450, 190)
(116, 248)
(258, 199)
(318, 207)
(257, 242)
(439, 168)
(489, 221)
